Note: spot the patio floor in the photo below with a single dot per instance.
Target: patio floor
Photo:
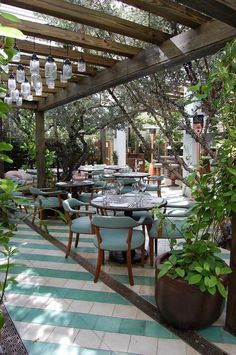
(58, 309)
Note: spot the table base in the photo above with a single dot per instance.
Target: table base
(120, 256)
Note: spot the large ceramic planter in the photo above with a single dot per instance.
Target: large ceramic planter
(184, 306)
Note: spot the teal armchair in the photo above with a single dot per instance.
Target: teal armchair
(117, 234)
(78, 217)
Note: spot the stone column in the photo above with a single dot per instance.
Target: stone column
(40, 149)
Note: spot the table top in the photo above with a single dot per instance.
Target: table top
(78, 183)
(135, 175)
(127, 202)
(92, 168)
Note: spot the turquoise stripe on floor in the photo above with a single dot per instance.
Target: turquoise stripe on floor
(77, 275)
(90, 321)
(37, 237)
(39, 348)
(27, 245)
(217, 335)
(67, 293)
(47, 258)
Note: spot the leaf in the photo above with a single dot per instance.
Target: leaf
(11, 32)
(222, 289)
(225, 270)
(180, 272)
(2, 320)
(4, 108)
(195, 279)
(9, 17)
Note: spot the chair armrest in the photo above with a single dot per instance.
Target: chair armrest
(82, 212)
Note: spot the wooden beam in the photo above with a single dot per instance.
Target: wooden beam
(204, 40)
(213, 9)
(170, 11)
(59, 52)
(90, 17)
(75, 38)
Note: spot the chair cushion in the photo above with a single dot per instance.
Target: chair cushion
(116, 240)
(151, 187)
(167, 230)
(81, 225)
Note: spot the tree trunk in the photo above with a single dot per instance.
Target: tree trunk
(103, 145)
(230, 323)
(1, 161)
(40, 149)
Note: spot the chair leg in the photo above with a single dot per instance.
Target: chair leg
(151, 251)
(69, 244)
(34, 214)
(77, 240)
(99, 264)
(142, 254)
(40, 217)
(129, 265)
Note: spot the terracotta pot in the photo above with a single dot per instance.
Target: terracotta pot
(184, 306)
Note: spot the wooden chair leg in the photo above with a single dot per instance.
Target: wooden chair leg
(77, 240)
(129, 265)
(99, 264)
(34, 214)
(151, 251)
(40, 217)
(69, 244)
(142, 254)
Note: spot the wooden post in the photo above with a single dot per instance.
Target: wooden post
(40, 149)
(103, 145)
(230, 323)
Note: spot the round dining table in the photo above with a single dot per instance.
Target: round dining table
(128, 204)
(75, 186)
(133, 174)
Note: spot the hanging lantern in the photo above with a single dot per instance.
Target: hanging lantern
(8, 99)
(16, 57)
(19, 101)
(29, 98)
(34, 64)
(67, 69)
(36, 82)
(63, 79)
(50, 68)
(81, 66)
(25, 89)
(15, 95)
(50, 83)
(11, 83)
(20, 74)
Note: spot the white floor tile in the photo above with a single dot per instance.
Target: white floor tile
(38, 332)
(89, 338)
(105, 309)
(143, 345)
(123, 311)
(63, 335)
(80, 306)
(175, 347)
(115, 342)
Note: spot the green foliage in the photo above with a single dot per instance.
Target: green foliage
(114, 157)
(196, 261)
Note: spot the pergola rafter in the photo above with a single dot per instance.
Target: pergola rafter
(102, 53)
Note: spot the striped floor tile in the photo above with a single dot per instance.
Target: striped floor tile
(58, 309)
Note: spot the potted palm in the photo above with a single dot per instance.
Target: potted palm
(192, 278)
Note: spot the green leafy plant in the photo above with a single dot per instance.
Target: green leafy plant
(197, 260)
(114, 157)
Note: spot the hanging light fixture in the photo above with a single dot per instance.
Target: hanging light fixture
(50, 68)
(19, 101)
(8, 99)
(20, 74)
(16, 57)
(11, 83)
(25, 89)
(67, 68)
(34, 62)
(15, 95)
(81, 65)
(36, 83)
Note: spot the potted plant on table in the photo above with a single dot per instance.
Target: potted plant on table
(192, 278)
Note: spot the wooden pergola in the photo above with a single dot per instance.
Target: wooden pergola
(209, 24)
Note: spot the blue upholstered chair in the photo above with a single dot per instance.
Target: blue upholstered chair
(45, 199)
(154, 184)
(78, 217)
(117, 234)
(177, 214)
